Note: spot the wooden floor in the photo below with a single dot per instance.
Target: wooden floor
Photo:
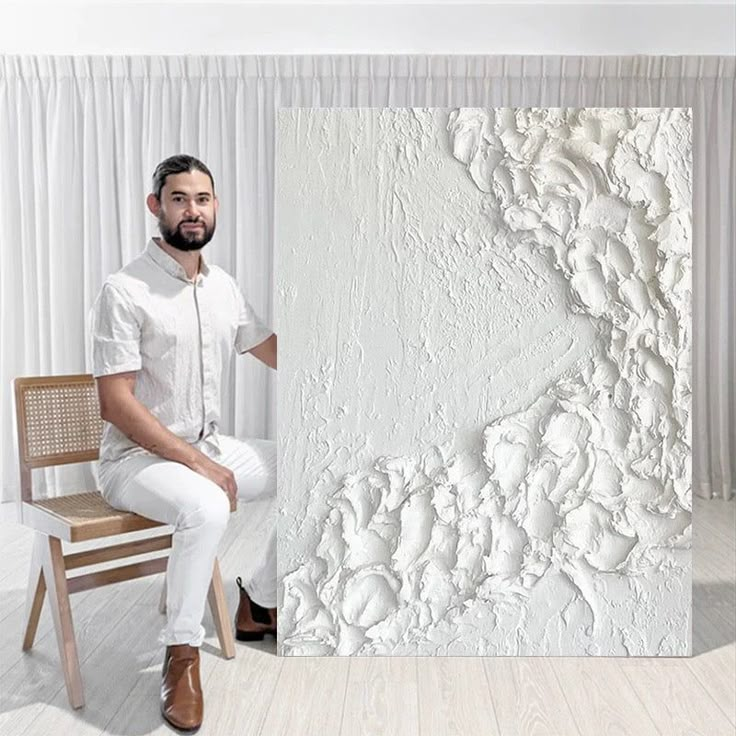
(260, 693)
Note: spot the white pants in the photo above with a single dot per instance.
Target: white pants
(199, 510)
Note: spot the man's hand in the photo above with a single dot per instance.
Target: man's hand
(218, 474)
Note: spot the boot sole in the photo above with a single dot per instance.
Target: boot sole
(181, 729)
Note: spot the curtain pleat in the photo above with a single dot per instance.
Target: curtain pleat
(81, 135)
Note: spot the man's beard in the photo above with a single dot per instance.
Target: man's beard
(183, 240)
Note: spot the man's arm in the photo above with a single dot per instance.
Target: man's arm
(266, 351)
(119, 406)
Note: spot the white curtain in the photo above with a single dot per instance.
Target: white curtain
(80, 137)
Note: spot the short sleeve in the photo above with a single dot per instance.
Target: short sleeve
(251, 330)
(115, 334)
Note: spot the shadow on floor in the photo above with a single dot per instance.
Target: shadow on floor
(714, 616)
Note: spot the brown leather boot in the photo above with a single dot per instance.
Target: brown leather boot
(253, 622)
(182, 705)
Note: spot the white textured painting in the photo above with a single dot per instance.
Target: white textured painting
(484, 321)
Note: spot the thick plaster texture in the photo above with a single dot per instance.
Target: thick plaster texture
(484, 381)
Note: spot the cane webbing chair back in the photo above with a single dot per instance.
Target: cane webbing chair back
(58, 420)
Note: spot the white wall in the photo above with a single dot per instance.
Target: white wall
(105, 27)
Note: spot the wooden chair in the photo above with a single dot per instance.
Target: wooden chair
(59, 422)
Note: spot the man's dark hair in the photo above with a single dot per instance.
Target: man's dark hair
(177, 165)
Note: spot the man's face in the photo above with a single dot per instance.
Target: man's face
(188, 210)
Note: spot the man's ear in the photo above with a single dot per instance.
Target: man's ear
(153, 204)
(217, 203)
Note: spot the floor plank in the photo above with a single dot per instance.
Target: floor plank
(240, 692)
(454, 697)
(601, 698)
(528, 698)
(716, 673)
(381, 698)
(678, 706)
(308, 697)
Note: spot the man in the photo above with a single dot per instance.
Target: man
(164, 328)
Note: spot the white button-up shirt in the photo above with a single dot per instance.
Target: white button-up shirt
(179, 334)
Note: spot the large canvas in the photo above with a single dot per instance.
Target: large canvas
(484, 393)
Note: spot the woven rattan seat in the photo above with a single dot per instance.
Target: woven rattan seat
(84, 516)
(59, 422)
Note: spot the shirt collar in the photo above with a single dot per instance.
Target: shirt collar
(171, 265)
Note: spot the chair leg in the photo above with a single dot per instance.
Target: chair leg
(218, 606)
(36, 591)
(162, 599)
(55, 576)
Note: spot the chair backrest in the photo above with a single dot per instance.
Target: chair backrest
(59, 422)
